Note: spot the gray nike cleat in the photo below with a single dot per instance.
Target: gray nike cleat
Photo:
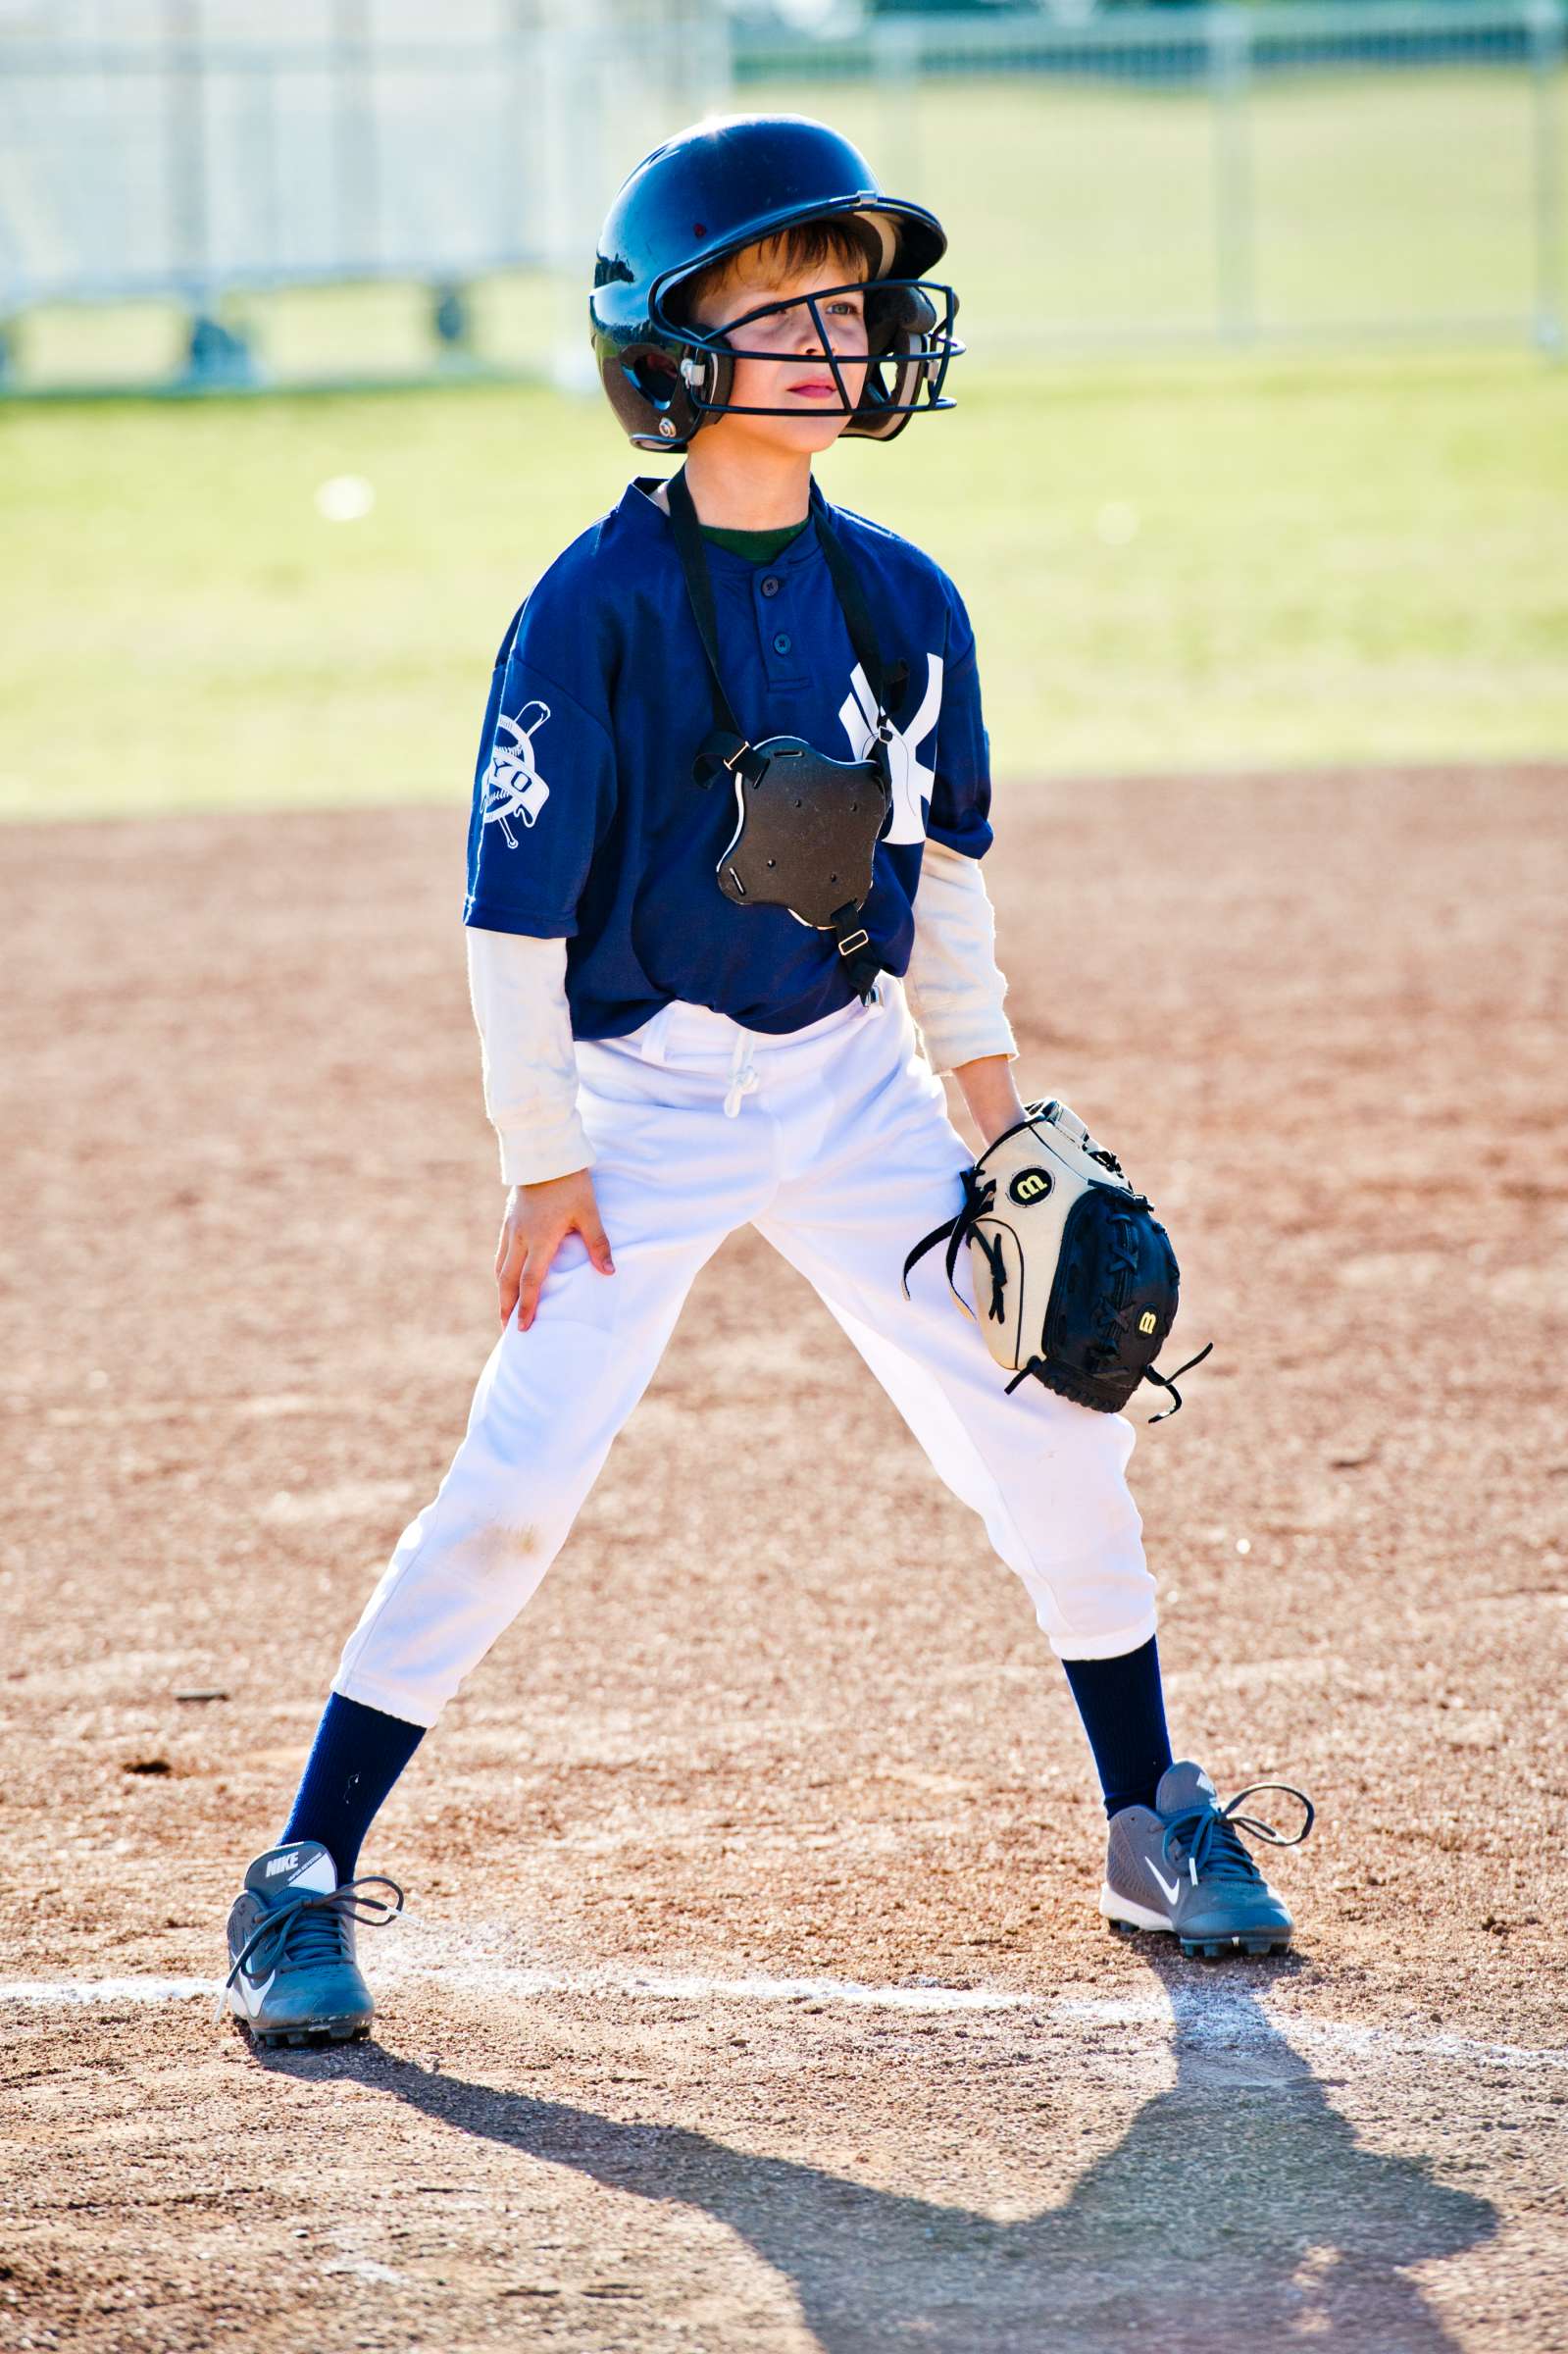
(1182, 1867)
(292, 1975)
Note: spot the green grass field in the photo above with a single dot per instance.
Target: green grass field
(1178, 567)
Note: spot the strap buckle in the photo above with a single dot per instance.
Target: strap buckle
(853, 943)
(737, 757)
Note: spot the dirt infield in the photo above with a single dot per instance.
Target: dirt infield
(755, 1998)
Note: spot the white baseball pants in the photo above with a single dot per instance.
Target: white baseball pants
(835, 1143)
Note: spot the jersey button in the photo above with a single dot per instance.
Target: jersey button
(783, 643)
(771, 586)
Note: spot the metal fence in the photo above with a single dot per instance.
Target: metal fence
(1273, 172)
(1245, 174)
(192, 151)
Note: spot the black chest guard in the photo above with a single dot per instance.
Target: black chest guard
(807, 829)
(807, 826)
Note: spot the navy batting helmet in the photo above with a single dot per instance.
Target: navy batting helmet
(727, 184)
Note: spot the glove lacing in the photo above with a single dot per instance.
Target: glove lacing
(980, 1197)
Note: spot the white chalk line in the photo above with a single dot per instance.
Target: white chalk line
(1221, 2018)
(497, 1978)
(87, 1993)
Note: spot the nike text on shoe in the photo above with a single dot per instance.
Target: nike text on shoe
(1182, 1867)
(292, 1973)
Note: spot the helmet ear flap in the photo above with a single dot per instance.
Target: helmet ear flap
(664, 392)
(644, 389)
(902, 324)
(897, 313)
(707, 376)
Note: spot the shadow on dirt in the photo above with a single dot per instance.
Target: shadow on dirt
(1238, 2211)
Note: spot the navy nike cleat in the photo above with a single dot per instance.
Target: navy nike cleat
(293, 1976)
(1182, 1867)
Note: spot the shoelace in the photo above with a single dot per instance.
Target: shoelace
(309, 1927)
(1209, 1835)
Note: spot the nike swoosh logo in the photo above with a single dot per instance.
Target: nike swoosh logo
(253, 1998)
(1172, 1888)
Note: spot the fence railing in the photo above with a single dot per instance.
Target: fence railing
(188, 151)
(1264, 172)
(1273, 172)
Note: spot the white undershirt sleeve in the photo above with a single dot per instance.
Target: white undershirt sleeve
(516, 985)
(954, 988)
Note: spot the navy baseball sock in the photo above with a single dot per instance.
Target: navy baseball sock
(355, 1758)
(1123, 1709)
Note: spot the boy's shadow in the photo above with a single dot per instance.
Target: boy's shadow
(1238, 2210)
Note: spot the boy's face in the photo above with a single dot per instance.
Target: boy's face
(749, 305)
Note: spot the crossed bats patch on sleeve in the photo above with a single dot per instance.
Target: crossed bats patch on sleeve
(513, 784)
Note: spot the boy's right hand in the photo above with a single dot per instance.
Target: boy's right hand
(538, 1218)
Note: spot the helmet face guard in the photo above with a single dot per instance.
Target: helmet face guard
(907, 347)
(704, 197)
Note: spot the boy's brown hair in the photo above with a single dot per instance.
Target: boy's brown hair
(853, 244)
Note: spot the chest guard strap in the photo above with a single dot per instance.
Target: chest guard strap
(807, 825)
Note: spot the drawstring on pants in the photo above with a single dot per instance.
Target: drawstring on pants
(743, 1079)
(679, 1031)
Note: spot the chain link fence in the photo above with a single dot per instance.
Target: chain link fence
(1144, 177)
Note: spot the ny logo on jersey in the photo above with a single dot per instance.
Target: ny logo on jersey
(913, 785)
(513, 786)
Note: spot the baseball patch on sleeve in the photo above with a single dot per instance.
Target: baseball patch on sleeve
(514, 791)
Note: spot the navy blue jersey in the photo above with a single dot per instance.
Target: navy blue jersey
(586, 825)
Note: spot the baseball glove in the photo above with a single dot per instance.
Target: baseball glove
(1075, 1277)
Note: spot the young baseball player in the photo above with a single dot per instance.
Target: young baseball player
(725, 857)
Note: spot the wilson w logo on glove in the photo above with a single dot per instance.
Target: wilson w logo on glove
(1075, 1282)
